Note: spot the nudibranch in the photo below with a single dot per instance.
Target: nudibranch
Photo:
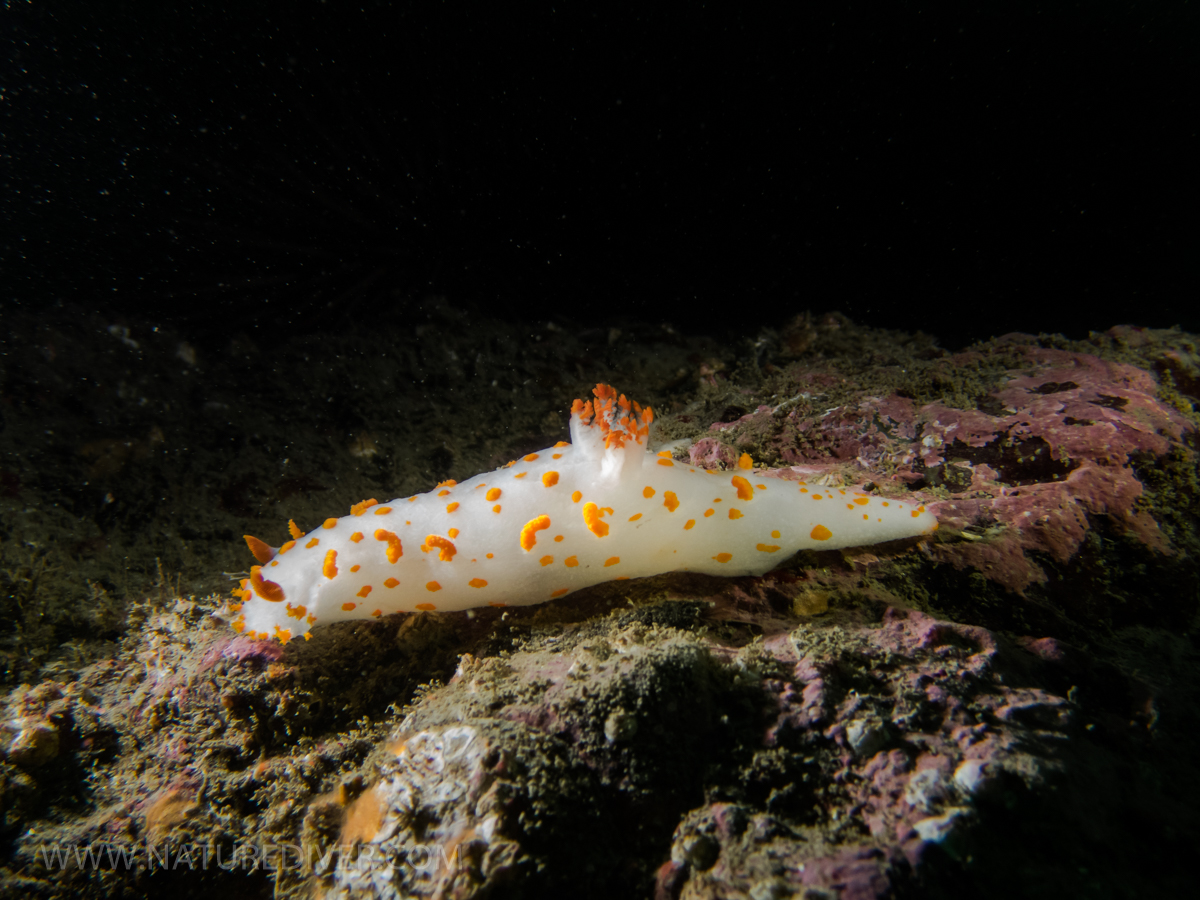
(597, 509)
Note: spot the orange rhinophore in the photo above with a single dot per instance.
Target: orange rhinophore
(262, 551)
(268, 590)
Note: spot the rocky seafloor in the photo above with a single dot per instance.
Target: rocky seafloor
(1007, 708)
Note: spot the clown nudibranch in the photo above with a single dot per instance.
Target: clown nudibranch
(598, 509)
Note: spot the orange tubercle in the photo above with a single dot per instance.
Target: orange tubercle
(529, 532)
(591, 517)
(394, 549)
(444, 545)
(744, 491)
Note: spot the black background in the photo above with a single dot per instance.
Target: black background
(967, 171)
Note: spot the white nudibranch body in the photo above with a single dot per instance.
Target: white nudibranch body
(598, 509)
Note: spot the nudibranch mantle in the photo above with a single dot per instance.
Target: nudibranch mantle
(598, 509)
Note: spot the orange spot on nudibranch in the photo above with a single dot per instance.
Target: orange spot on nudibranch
(294, 529)
(530, 457)
(451, 507)
(670, 501)
(550, 479)
(723, 557)
(592, 519)
(329, 523)
(286, 547)
(445, 547)
(689, 525)
(355, 568)
(348, 607)
(496, 508)
(395, 549)
(735, 513)
(453, 532)
(383, 510)
(359, 508)
(635, 517)
(775, 534)
(576, 497)
(571, 562)
(821, 533)
(559, 592)
(329, 569)
(443, 493)
(744, 491)
(529, 532)
(647, 492)
(431, 586)
(364, 590)
(313, 542)
(546, 560)
(356, 537)
(390, 583)
(766, 548)
(666, 462)
(477, 583)
(861, 501)
(427, 607)
(611, 561)
(708, 512)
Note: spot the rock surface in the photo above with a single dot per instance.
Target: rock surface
(1006, 709)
